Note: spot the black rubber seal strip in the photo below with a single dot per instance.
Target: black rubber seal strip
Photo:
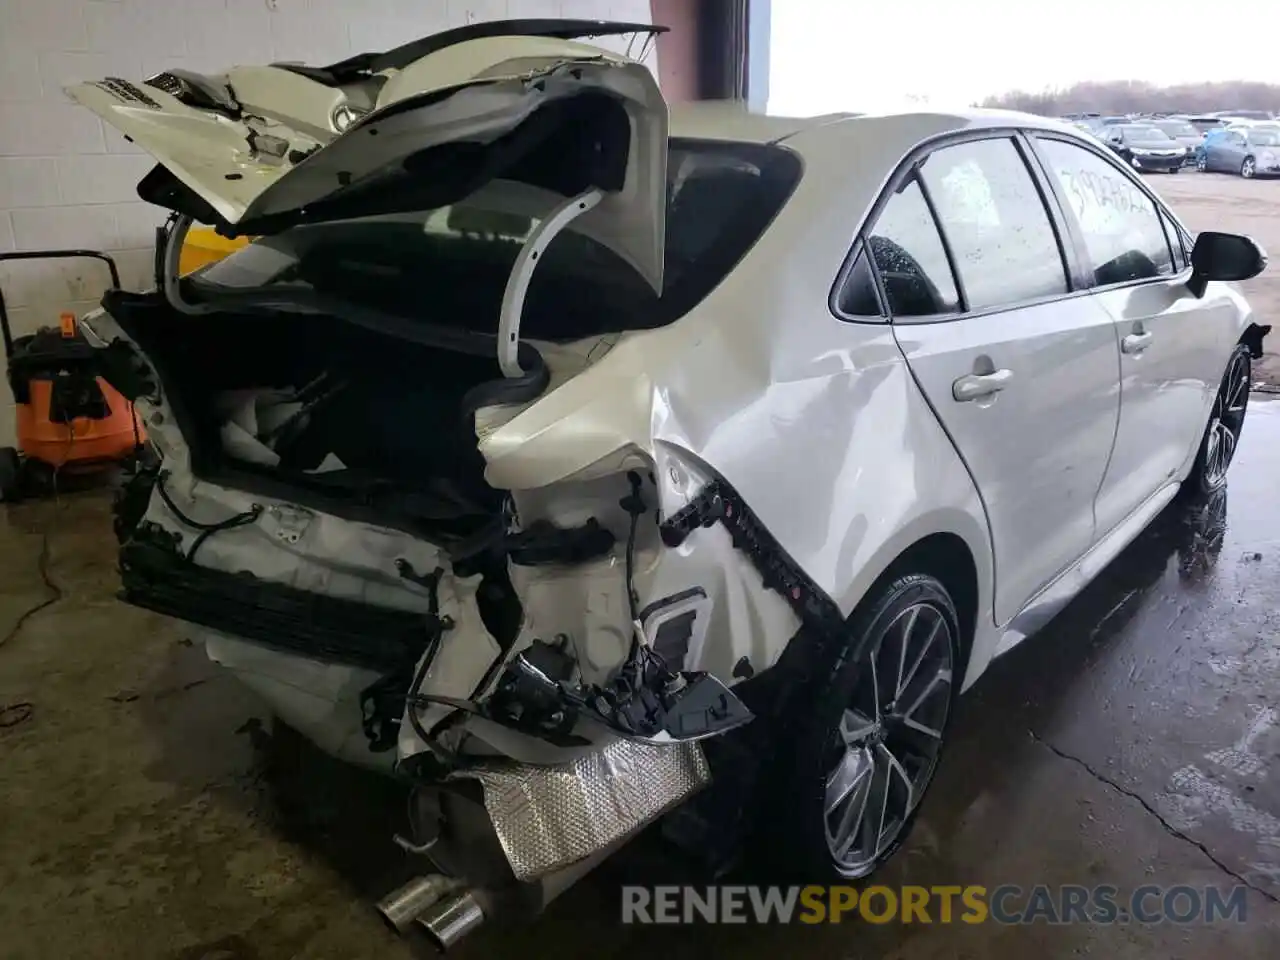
(718, 502)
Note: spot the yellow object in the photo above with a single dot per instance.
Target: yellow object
(204, 246)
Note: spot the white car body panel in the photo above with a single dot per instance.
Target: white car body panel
(1168, 385)
(1038, 496)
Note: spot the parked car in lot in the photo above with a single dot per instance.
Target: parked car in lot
(558, 453)
(1250, 152)
(1092, 133)
(1205, 124)
(1210, 137)
(1251, 116)
(1146, 147)
(1183, 134)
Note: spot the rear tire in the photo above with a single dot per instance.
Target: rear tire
(871, 735)
(1248, 168)
(1222, 434)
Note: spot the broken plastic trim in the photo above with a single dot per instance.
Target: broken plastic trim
(648, 703)
(522, 272)
(544, 543)
(718, 502)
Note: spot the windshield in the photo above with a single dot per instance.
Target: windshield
(1177, 128)
(449, 266)
(1145, 134)
(1264, 138)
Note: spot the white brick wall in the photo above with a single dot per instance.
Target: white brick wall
(66, 181)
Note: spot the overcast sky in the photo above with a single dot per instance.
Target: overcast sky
(829, 55)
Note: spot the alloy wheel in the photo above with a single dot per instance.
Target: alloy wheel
(1247, 168)
(1226, 421)
(889, 739)
(1202, 164)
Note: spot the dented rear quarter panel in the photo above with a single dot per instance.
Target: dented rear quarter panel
(817, 423)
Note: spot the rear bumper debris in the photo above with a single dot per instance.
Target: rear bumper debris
(272, 614)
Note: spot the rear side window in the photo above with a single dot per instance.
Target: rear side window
(1121, 227)
(992, 214)
(858, 297)
(911, 258)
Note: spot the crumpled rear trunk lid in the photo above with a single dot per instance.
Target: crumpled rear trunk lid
(258, 149)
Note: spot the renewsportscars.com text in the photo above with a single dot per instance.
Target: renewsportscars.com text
(1006, 904)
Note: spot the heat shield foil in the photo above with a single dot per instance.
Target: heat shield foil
(548, 817)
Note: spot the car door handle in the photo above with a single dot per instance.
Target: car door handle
(1135, 342)
(975, 386)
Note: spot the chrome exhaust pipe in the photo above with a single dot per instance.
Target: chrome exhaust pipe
(400, 907)
(449, 920)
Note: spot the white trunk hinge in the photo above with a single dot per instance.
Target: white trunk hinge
(522, 272)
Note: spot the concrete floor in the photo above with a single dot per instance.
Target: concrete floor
(146, 812)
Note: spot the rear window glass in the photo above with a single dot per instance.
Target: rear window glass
(449, 266)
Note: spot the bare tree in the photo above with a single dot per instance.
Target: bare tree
(1135, 96)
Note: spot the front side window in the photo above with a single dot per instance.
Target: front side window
(1122, 231)
(910, 257)
(992, 214)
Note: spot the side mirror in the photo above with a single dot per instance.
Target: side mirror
(1224, 256)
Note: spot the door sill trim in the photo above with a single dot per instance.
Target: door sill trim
(1046, 604)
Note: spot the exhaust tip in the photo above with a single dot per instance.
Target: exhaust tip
(399, 908)
(449, 920)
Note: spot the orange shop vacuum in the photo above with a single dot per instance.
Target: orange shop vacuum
(70, 422)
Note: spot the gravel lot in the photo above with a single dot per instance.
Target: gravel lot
(1215, 201)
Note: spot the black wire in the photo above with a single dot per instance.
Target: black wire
(12, 714)
(137, 434)
(168, 502)
(633, 602)
(207, 529)
(634, 505)
(239, 520)
(413, 697)
(414, 701)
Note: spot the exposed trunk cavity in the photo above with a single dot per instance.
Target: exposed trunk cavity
(328, 413)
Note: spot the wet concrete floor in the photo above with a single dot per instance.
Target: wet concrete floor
(146, 811)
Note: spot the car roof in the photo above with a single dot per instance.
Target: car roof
(732, 120)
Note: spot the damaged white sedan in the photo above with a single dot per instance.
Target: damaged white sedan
(566, 455)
